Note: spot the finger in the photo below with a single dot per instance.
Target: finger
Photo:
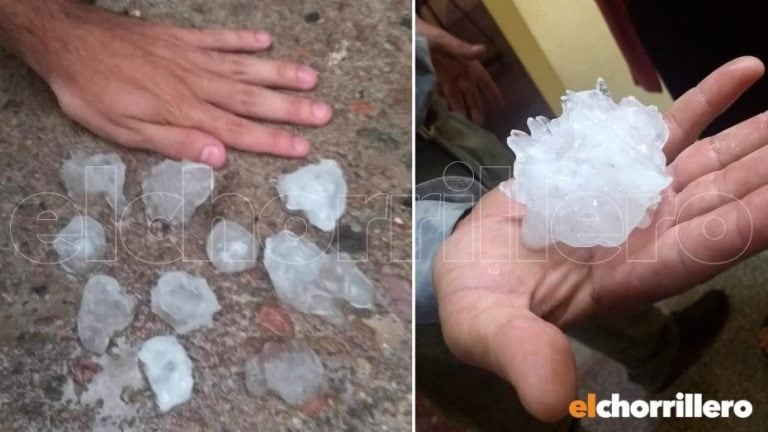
(474, 102)
(537, 359)
(454, 99)
(694, 110)
(530, 353)
(177, 143)
(695, 251)
(488, 86)
(734, 181)
(268, 73)
(226, 40)
(718, 151)
(260, 103)
(243, 134)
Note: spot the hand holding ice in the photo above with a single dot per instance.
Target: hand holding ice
(592, 175)
(318, 190)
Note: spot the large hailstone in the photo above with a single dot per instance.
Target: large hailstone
(318, 190)
(168, 369)
(592, 175)
(312, 281)
(95, 175)
(173, 190)
(104, 309)
(184, 301)
(80, 245)
(231, 248)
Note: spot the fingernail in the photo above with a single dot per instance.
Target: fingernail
(300, 145)
(320, 110)
(263, 38)
(306, 76)
(211, 155)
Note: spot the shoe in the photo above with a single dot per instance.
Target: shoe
(697, 326)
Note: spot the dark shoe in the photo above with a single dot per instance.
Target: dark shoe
(697, 326)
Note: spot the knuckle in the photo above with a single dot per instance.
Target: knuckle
(285, 71)
(237, 66)
(237, 127)
(246, 97)
(174, 111)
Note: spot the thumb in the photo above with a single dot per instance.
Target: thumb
(536, 358)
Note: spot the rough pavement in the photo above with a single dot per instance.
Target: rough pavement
(49, 382)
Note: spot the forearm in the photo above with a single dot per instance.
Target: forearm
(34, 29)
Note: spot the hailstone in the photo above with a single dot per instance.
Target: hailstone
(592, 175)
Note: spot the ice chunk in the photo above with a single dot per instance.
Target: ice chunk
(318, 190)
(255, 382)
(95, 175)
(592, 175)
(311, 281)
(80, 245)
(184, 301)
(168, 370)
(291, 369)
(231, 247)
(104, 309)
(173, 190)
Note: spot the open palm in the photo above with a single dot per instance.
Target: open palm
(504, 307)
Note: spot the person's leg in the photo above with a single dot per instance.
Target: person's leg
(654, 346)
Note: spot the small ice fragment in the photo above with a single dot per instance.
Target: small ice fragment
(104, 309)
(184, 301)
(318, 190)
(231, 247)
(290, 369)
(95, 175)
(80, 245)
(173, 190)
(255, 382)
(312, 281)
(592, 175)
(168, 370)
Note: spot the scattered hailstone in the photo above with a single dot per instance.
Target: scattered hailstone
(290, 369)
(104, 309)
(184, 301)
(318, 190)
(80, 245)
(173, 190)
(231, 247)
(95, 175)
(255, 381)
(592, 175)
(312, 281)
(168, 370)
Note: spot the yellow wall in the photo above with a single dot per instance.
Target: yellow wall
(566, 44)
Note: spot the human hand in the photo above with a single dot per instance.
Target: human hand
(185, 93)
(461, 78)
(504, 307)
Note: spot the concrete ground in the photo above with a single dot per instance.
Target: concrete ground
(48, 382)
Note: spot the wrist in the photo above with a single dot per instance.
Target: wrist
(36, 30)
